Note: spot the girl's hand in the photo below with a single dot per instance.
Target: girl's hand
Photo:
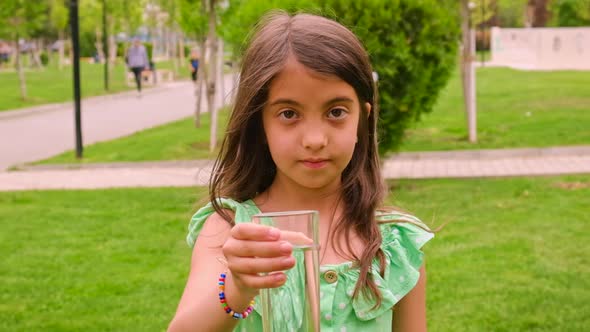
(252, 250)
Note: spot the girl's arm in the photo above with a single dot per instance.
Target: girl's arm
(250, 250)
(410, 311)
(199, 308)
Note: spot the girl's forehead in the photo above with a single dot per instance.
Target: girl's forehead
(292, 66)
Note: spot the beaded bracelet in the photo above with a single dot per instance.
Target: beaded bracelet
(226, 308)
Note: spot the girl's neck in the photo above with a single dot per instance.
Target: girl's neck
(282, 196)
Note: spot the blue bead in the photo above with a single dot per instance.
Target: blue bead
(237, 315)
(221, 283)
(223, 275)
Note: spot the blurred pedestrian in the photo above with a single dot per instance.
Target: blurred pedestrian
(137, 61)
(194, 65)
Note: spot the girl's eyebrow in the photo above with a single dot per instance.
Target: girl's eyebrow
(287, 101)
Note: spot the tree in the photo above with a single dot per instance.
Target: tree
(212, 78)
(58, 14)
(537, 13)
(193, 22)
(570, 13)
(21, 19)
(510, 13)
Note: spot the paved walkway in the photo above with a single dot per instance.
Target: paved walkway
(41, 132)
(455, 164)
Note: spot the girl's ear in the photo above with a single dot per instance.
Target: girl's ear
(368, 107)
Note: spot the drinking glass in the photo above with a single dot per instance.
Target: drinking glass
(295, 306)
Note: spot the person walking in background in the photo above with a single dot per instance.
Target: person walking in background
(137, 61)
(194, 65)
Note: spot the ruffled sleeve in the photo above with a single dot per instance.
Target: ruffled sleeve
(243, 213)
(403, 239)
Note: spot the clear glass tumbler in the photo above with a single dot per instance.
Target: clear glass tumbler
(295, 306)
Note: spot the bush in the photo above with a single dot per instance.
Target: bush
(412, 45)
(571, 13)
(120, 50)
(44, 58)
(149, 48)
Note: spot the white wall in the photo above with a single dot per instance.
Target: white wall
(541, 48)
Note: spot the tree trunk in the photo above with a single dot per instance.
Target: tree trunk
(172, 51)
(212, 76)
(235, 66)
(540, 13)
(98, 44)
(220, 66)
(467, 70)
(200, 86)
(181, 49)
(60, 60)
(19, 70)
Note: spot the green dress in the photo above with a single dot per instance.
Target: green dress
(339, 311)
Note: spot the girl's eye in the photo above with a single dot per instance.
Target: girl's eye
(337, 113)
(288, 114)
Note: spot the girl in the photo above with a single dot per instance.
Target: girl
(302, 136)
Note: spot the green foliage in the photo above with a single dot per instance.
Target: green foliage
(511, 12)
(571, 13)
(58, 14)
(412, 45)
(149, 47)
(22, 17)
(241, 16)
(193, 19)
(44, 58)
(86, 43)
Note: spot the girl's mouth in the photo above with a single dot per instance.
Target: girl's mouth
(315, 163)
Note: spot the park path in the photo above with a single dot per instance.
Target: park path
(452, 164)
(41, 132)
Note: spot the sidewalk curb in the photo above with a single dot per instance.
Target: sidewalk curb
(494, 153)
(491, 154)
(195, 163)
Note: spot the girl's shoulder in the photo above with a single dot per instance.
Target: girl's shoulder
(403, 236)
(242, 211)
(402, 227)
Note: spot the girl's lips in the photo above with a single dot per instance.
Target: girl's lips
(315, 163)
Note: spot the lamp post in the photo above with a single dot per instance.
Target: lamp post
(76, 75)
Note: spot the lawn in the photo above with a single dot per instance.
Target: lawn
(515, 109)
(513, 257)
(51, 85)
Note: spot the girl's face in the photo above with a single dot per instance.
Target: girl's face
(310, 122)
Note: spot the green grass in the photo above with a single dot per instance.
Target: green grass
(513, 258)
(515, 109)
(179, 140)
(51, 85)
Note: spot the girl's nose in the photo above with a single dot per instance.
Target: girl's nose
(314, 138)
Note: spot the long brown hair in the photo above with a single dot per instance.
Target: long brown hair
(244, 167)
